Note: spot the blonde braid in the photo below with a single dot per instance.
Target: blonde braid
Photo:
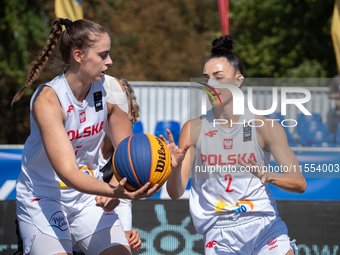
(131, 96)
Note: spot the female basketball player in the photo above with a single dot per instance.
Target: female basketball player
(60, 160)
(234, 208)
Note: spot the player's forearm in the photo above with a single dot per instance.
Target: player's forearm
(287, 182)
(85, 183)
(175, 184)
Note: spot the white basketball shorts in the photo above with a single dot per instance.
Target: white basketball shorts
(62, 221)
(245, 234)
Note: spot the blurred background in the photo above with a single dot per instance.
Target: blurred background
(159, 46)
(168, 40)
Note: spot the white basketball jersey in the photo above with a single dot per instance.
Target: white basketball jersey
(219, 185)
(85, 125)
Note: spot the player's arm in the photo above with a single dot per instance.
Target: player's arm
(106, 146)
(119, 126)
(50, 117)
(182, 163)
(272, 137)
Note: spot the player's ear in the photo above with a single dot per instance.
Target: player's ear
(239, 79)
(78, 55)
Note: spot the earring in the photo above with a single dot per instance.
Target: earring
(239, 81)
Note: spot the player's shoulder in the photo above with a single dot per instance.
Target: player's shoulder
(269, 129)
(111, 83)
(191, 129)
(44, 95)
(193, 125)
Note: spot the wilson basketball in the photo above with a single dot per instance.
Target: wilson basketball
(142, 158)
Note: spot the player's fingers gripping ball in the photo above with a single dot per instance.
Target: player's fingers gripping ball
(142, 158)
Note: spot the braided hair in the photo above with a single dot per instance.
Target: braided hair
(131, 96)
(77, 35)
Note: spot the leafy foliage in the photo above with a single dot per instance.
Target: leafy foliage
(284, 38)
(168, 40)
(23, 30)
(156, 40)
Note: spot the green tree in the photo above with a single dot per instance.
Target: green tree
(23, 30)
(151, 40)
(284, 38)
(156, 40)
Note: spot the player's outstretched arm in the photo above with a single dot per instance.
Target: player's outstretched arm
(272, 137)
(182, 160)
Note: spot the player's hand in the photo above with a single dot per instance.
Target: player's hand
(134, 239)
(107, 203)
(121, 192)
(255, 169)
(177, 154)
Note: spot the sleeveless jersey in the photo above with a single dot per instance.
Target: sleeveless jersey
(219, 185)
(85, 125)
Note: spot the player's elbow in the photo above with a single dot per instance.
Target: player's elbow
(173, 193)
(174, 197)
(301, 185)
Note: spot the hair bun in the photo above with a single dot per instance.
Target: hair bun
(223, 46)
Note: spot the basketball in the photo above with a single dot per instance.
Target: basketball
(142, 158)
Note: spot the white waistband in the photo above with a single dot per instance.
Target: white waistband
(234, 219)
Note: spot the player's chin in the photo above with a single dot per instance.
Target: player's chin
(99, 76)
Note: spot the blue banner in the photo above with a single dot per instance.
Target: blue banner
(320, 167)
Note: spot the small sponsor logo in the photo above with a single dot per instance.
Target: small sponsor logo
(107, 213)
(70, 108)
(58, 220)
(98, 103)
(247, 132)
(228, 144)
(272, 243)
(82, 117)
(211, 133)
(35, 199)
(211, 244)
(273, 247)
(87, 170)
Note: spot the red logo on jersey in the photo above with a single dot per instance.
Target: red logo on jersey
(87, 131)
(70, 108)
(211, 244)
(35, 199)
(231, 159)
(272, 243)
(228, 144)
(211, 133)
(82, 117)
